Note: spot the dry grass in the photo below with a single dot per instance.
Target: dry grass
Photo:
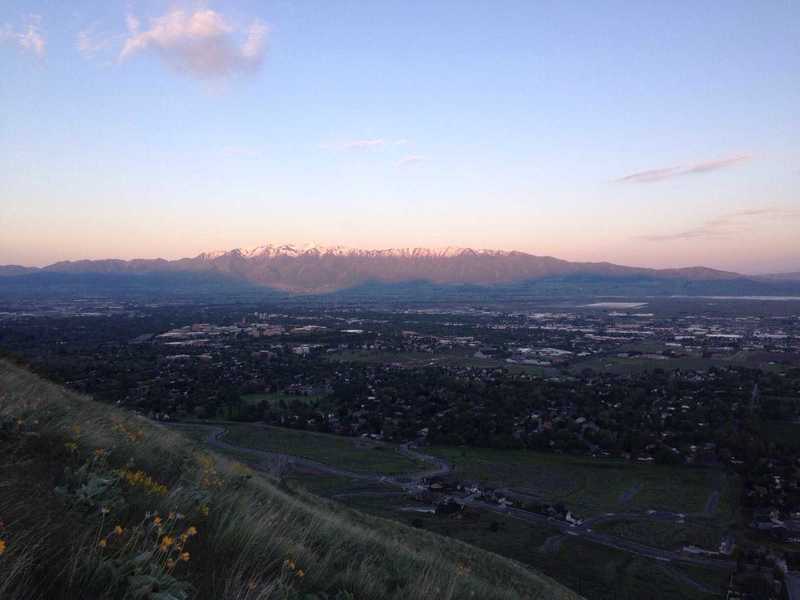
(256, 539)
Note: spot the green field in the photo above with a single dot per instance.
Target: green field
(588, 486)
(666, 534)
(692, 361)
(456, 357)
(354, 454)
(318, 484)
(330, 486)
(612, 363)
(513, 538)
(597, 572)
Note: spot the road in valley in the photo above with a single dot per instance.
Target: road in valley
(411, 482)
(216, 435)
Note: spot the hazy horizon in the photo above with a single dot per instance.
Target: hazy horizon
(644, 134)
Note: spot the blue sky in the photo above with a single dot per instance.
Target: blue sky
(649, 133)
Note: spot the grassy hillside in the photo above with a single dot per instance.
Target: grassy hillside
(98, 503)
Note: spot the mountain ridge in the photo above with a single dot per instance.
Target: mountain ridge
(323, 269)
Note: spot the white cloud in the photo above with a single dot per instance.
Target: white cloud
(661, 174)
(201, 44)
(28, 39)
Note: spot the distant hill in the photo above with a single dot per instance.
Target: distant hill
(100, 503)
(12, 270)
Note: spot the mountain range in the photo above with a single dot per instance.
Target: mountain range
(320, 270)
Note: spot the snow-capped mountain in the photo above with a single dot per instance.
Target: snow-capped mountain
(315, 269)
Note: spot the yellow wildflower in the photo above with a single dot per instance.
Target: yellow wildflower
(157, 521)
(191, 531)
(3, 547)
(166, 542)
(118, 530)
(300, 573)
(102, 543)
(185, 556)
(142, 480)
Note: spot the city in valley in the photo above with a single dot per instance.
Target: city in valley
(655, 438)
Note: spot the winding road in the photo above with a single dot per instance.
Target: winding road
(439, 467)
(216, 435)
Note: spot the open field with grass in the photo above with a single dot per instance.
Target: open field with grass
(601, 573)
(610, 363)
(455, 357)
(332, 486)
(354, 454)
(639, 364)
(693, 361)
(589, 486)
(668, 535)
(597, 572)
(100, 503)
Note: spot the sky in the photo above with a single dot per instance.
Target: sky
(645, 133)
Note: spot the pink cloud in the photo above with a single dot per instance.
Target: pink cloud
(201, 44)
(708, 166)
(728, 225)
(27, 39)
